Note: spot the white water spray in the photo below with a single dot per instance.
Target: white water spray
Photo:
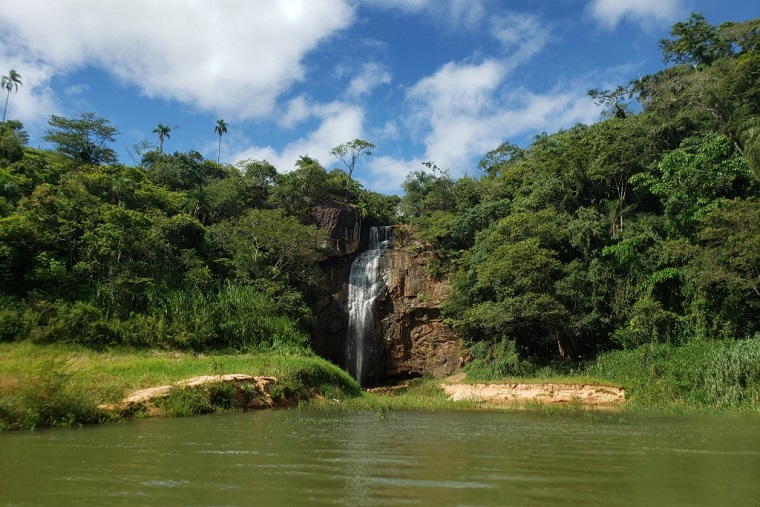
(365, 284)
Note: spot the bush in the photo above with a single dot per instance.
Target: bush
(13, 326)
(51, 398)
(491, 361)
(78, 322)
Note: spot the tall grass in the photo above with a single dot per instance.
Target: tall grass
(699, 374)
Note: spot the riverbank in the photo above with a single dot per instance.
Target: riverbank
(58, 384)
(548, 393)
(63, 385)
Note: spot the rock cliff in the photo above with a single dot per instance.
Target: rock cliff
(415, 340)
(410, 339)
(343, 226)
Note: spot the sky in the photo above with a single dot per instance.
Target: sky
(443, 81)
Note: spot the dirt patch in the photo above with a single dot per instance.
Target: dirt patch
(548, 393)
(8, 384)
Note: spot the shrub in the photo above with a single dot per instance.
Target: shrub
(491, 361)
(50, 398)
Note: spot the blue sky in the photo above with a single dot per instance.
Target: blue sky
(424, 80)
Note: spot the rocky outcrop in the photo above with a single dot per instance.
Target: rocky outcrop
(415, 339)
(248, 392)
(343, 225)
(411, 337)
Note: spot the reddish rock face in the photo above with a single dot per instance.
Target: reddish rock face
(411, 338)
(414, 338)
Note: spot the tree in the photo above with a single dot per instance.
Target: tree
(83, 139)
(613, 101)
(220, 129)
(724, 280)
(696, 42)
(350, 151)
(9, 82)
(13, 137)
(163, 132)
(693, 179)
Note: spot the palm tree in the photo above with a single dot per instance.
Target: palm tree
(9, 82)
(163, 132)
(220, 129)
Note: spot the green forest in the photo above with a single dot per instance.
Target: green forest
(632, 239)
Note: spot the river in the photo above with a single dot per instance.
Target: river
(455, 458)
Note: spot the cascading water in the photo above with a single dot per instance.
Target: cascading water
(365, 284)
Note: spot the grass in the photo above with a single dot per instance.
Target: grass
(60, 384)
(416, 394)
(699, 375)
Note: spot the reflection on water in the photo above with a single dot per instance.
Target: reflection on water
(474, 458)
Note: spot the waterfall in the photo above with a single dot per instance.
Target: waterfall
(365, 284)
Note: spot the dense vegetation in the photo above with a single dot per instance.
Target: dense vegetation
(639, 230)
(634, 241)
(178, 252)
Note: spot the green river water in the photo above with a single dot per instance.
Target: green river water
(457, 458)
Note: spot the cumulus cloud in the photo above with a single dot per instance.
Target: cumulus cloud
(35, 100)
(338, 122)
(464, 110)
(232, 59)
(610, 12)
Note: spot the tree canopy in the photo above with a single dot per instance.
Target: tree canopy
(84, 139)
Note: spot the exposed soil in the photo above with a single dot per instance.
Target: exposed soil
(545, 393)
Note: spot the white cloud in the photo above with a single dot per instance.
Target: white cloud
(386, 174)
(464, 110)
(231, 58)
(296, 111)
(339, 122)
(456, 13)
(611, 12)
(371, 76)
(521, 35)
(448, 107)
(35, 100)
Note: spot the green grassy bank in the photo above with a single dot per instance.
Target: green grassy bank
(53, 385)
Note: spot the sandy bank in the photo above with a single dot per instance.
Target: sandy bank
(546, 393)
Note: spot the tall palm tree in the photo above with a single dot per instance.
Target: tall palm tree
(220, 129)
(9, 82)
(163, 132)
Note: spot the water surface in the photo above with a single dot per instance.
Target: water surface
(292, 458)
